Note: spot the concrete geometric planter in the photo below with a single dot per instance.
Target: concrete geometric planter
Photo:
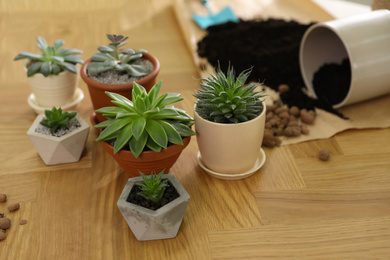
(56, 150)
(149, 224)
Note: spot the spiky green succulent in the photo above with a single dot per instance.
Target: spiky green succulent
(111, 57)
(152, 187)
(146, 121)
(52, 60)
(56, 118)
(225, 98)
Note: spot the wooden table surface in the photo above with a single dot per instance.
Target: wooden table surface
(296, 206)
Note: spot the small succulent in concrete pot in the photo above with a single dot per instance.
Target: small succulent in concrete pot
(53, 73)
(153, 206)
(59, 137)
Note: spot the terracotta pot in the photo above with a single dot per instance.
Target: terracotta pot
(148, 161)
(58, 150)
(149, 224)
(96, 89)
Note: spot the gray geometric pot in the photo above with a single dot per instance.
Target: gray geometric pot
(149, 224)
(56, 150)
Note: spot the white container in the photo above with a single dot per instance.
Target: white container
(364, 39)
(230, 149)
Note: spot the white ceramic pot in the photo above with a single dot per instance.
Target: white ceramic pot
(57, 150)
(149, 224)
(230, 149)
(54, 90)
(364, 39)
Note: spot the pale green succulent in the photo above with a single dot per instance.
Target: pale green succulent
(225, 98)
(53, 59)
(146, 121)
(111, 57)
(152, 187)
(56, 118)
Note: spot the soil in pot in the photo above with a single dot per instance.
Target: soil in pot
(331, 82)
(72, 125)
(120, 77)
(271, 47)
(170, 194)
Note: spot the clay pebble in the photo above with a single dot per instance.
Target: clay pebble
(23, 222)
(13, 207)
(324, 154)
(2, 235)
(3, 197)
(5, 223)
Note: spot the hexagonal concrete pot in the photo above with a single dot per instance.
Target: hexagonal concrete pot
(57, 150)
(149, 224)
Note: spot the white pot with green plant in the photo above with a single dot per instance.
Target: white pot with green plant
(59, 137)
(114, 69)
(229, 123)
(53, 76)
(153, 206)
(147, 133)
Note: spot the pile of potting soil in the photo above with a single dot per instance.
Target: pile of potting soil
(270, 47)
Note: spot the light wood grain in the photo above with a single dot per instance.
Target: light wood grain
(296, 206)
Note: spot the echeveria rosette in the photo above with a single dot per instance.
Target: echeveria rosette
(110, 57)
(152, 187)
(56, 119)
(225, 98)
(146, 121)
(53, 59)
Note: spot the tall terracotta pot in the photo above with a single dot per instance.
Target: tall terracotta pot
(96, 89)
(148, 161)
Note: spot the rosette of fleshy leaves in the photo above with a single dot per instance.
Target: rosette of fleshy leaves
(226, 99)
(52, 60)
(111, 57)
(152, 187)
(146, 121)
(56, 118)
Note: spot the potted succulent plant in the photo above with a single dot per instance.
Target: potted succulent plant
(153, 206)
(114, 70)
(146, 133)
(53, 74)
(229, 123)
(59, 137)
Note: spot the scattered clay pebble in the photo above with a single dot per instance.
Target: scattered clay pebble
(2, 235)
(307, 117)
(5, 223)
(3, 197)
(283, 88)
(324, 154)
(13, 207)
(23, 222)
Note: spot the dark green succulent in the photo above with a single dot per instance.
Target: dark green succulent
(152, 187)
(111, 57)
(225, 98)
(56, 119)
(53, 59)
(146, 121)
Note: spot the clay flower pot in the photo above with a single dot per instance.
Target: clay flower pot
(97, 90)
(57, 150)
(148, 161)
(149, 224)
(230, 151)
(54, 90)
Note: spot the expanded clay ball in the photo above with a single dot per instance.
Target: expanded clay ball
(323, 154)
(283, 88)
(5, 223)
(308, 116)
(3, 197)
(2, 234)
(13, 207)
